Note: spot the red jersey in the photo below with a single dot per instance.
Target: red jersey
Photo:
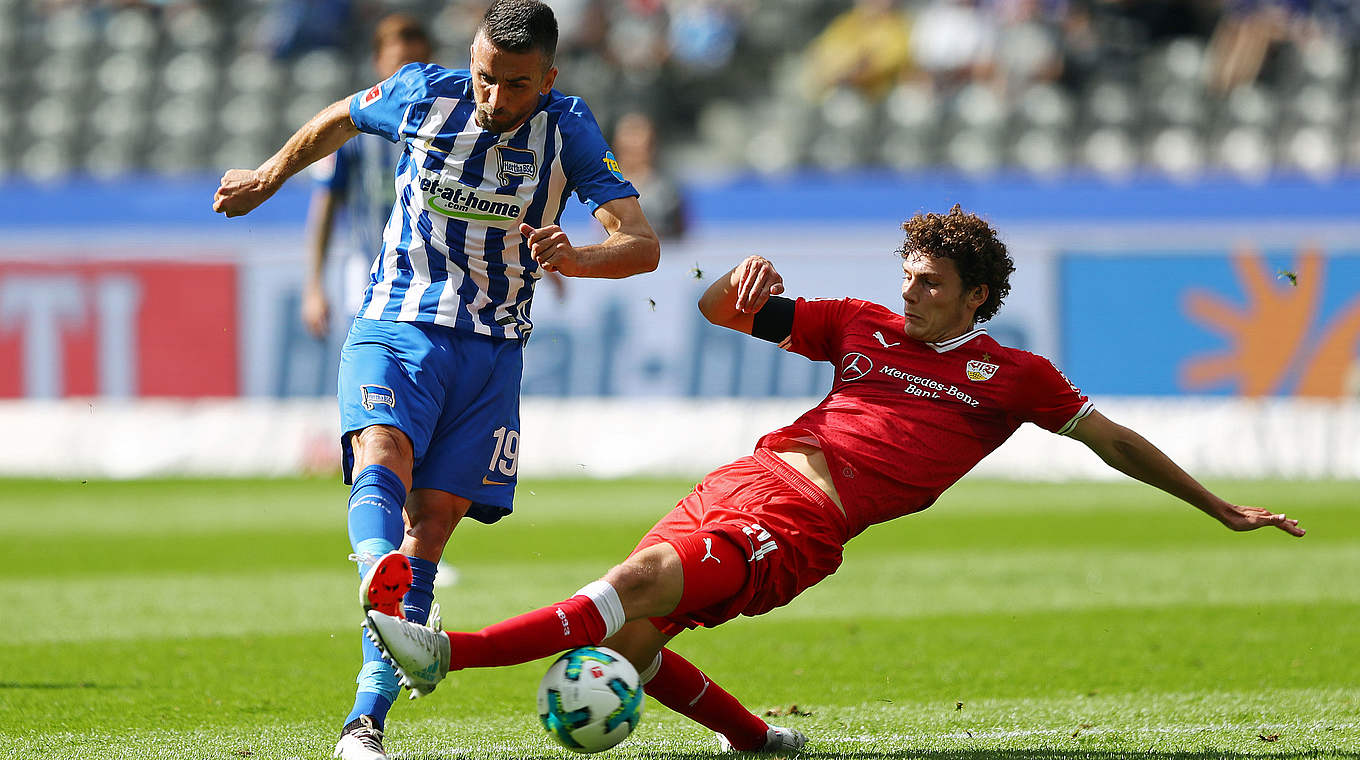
(906, 419)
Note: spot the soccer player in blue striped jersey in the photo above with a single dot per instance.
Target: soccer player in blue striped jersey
(430, 372)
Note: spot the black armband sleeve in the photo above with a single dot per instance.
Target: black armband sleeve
(774, 321)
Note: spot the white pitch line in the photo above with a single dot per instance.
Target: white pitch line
(878, 738)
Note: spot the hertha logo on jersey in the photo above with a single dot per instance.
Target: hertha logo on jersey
(515, 162)
(979, 371)
(377, 394)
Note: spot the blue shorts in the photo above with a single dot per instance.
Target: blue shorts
(454, 393)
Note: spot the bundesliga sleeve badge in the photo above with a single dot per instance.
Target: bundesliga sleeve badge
(373, 95)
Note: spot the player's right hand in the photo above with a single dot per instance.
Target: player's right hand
(241, 191)
(316, 310)
(757, 280)
(1241, 518)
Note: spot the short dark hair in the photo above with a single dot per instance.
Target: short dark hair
(399, 27)
(518, 26)
(972, 244)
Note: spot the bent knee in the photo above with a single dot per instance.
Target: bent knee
(381, 444)
(648, 583)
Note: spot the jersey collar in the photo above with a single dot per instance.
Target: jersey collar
(953, 343)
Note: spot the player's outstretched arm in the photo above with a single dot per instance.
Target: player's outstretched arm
(631, 248)
(242, 190)
(733, 299)
(1132, 454)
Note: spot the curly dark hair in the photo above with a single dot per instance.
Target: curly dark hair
(977, 252)
(518, 26)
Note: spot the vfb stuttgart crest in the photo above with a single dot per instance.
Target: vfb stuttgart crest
(979, 371)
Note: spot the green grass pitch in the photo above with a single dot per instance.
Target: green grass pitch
(192, 619)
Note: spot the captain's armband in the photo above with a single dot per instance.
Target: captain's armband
(774, 321)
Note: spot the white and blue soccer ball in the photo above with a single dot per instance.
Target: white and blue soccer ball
(590, 699)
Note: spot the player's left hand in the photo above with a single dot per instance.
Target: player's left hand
(1250, 518)
(551, 249)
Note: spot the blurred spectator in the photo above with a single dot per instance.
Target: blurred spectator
(294, 27)
(953, 42)
(703, 33)
(355, 184)
(663, 201)
(867, 48)
(1249, 31)
(1129, 65)
(1027, 46)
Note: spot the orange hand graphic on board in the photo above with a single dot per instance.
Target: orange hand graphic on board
(1335, 357)
(1270, 335)
(1264, 335)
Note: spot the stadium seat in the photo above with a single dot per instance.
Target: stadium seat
(1041, 152)
(323, 71)
(1180, 104)
(1110, 104)
(1178, 152)
(1249, 105)
(131, 30)
(912, 105)
(1109, 151)
(974, 152)
(1311, 150)
(190, 72)
(1245, 152)
(125, 74)
(907, 149)
(979, 107)
(1317, 104)
(1045, 105)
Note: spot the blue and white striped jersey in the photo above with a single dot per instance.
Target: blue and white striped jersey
(451, 252)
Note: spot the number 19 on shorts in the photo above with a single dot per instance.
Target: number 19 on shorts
(505, 456)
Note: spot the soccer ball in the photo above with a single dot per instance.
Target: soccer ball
(590, 699)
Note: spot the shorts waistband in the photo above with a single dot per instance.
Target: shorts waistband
(798, 482)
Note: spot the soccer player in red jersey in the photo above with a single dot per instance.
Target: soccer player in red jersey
(919, 398)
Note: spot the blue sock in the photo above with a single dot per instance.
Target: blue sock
(416, 605)
(375, 504)
(375, 528)
(378, 687)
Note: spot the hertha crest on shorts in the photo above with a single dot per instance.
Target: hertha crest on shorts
(979, 371)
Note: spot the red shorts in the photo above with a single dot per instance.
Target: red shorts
(792, 534)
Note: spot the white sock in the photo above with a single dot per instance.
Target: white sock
(649, 673)
(606, 600)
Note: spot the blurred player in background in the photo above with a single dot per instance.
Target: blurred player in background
(355, 185)
(919, 398)
(663, 200)
(430, 372)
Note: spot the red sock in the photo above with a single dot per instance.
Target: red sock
(555, 628)
(683, 688)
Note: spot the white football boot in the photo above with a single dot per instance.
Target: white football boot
(360, 740)
(777, 739)
(419, 654)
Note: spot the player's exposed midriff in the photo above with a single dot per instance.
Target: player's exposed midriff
(809, 461)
